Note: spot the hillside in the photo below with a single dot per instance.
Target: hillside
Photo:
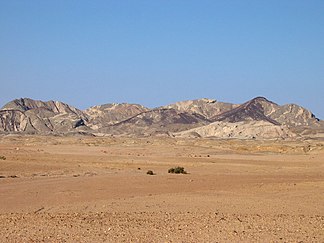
(256, 118)
(158, 121)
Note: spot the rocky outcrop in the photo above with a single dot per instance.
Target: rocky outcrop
(205, 107)
(293, 115)
(253, 110)
(25, 104)
(33, 116)
(14, 121)
(239, 130)
(109, 114)
(157, 121)
(261, 109)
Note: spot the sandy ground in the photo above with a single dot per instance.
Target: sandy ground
(83, 189)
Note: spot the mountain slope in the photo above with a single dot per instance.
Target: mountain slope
(156, 121)
(34, 116)
(253, 110)
(293, 115)
(239, 130)
(205, 107)
(25, 104)
(109, 114)
(257, 117)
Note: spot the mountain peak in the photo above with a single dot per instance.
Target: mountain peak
(261, 99)
(36, 116)
(25, 104)
(252, 110)
(205, 107)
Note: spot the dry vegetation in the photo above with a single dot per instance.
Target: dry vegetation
(68, 189)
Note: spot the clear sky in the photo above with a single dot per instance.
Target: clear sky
(155, 52)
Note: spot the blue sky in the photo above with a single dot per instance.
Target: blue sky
(155, 52)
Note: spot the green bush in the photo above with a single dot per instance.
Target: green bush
(3, 158)
(150, 172)
(177, 170)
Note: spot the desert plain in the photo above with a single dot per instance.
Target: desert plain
(96, 189)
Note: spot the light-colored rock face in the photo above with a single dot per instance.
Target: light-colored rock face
(15, 121)
(26, 104)
(268, 106)
(294, 115)
(33, 116)
(109, 114)
(240, 130)
(205, 107)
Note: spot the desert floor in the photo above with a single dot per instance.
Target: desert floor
(85, 189)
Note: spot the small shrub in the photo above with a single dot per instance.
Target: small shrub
(177, 170)
(3, 158)
(150, 172)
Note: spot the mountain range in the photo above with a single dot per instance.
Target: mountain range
(258, 118)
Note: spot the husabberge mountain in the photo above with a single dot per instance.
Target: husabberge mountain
(258, 118)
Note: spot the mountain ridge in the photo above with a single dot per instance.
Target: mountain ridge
(250, 110)
(26, 115)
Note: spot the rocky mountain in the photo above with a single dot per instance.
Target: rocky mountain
(109, 114)
(25, 104)
(159, 121)
(34, 116)
(205, 107)
(253, 110)
(293, 115)
(240, 130)
(257, 109)
(257, 118)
